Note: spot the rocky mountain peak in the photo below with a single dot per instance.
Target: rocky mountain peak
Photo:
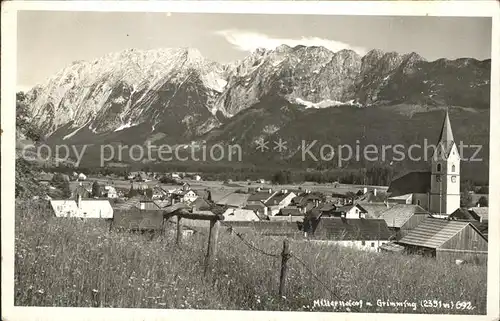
(177, 90)
(413, 57)
(283, 48)
(374, 54)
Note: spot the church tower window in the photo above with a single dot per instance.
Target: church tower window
(438, 167)
(453, 168)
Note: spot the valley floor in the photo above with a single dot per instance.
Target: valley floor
(74, 263)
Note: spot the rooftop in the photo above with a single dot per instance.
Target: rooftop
(277, 198)
(290, 210)
(481, 212)
(234, 199)
(412, 182)
(374, 210)
(464, 214)
(433, 232)
(333, 228)
(260, 196)
(269, 228)
(399, 214)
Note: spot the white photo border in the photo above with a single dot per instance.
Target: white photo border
(381, 8)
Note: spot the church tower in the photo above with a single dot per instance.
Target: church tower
(445, 173)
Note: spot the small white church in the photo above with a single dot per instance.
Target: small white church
(437, 190)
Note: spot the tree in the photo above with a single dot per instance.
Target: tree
(483, 201)
(465, 197)
(96, 189)
(168, 180)
(59, 182)
(132, 192)
(23, 123)
(148, 192)
(282, 177)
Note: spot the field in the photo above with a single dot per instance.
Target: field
(74, 263)
(219, 189)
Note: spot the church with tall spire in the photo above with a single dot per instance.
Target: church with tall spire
(437, 190)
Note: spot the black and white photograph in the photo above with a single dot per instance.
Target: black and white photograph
(318, 160)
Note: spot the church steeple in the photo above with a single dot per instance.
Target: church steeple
(446, 133)
(445, 173)
(446, 140)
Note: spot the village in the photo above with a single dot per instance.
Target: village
(419, 213)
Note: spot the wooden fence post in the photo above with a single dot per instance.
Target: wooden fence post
(214, 226)
(179, 232)
(285, 255)
(213, 236)
(110, 224)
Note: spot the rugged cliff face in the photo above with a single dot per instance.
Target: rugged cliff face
(316, 77)
(160, 88)
(179, 94)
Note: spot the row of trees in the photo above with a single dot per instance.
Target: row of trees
(375, 175)
(380, 176)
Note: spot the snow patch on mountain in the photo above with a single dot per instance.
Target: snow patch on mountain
(322, 104)
(124, 126)
(215, 81)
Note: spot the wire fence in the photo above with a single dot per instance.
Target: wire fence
(253, 247)
(242, 237)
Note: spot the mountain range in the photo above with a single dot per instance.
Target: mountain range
(177, 96)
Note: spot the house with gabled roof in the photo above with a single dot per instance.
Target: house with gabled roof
(188, 196)
(480, 212)
(260, 197)
(290, 211)
(240, 214)
(374, 210)
(234, 200)
(307, 201)
(447, 240)
(159, 193)
(402, 218)
(363, 234)
(82, 208)
(258, 207)
(290, 214)
(464, 214)
(278, 201)
(354, 211)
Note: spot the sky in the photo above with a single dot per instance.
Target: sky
(50, 40)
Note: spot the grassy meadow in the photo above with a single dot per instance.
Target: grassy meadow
(75, 263)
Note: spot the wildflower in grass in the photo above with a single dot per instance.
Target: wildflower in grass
(41, 291)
